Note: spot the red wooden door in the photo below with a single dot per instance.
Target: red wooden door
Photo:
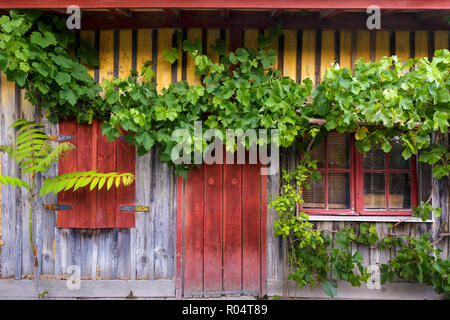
(221, 237)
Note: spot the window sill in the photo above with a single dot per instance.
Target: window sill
(330, 218)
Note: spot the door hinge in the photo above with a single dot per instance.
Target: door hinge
(57, 206)
(135, 208)
(60, 137)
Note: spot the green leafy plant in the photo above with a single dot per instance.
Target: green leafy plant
(41, 55)
(386, 99)
(243, 91)
(417, 261)
(313, 257)
(34, 152)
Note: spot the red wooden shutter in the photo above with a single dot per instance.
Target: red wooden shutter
(95, 209)
(224, 232)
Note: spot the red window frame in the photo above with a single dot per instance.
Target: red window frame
(356, 171)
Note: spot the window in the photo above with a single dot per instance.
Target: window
(352, 184)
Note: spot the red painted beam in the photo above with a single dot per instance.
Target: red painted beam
(255, 20)
(230, 4)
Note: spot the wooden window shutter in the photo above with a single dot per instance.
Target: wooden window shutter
(98, 208)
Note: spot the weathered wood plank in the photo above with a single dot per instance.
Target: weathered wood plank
(1, 241)
(105, 254)
(143, 179)
(251, 211)
(86, 249)
(9, 168)
(308, 54)
(421, 44)
(290, 54)
(345, 52)
(47, 218)
(24, 289)
(328, 53)
(163, 177)
(407, 291)
(95, 235)
(164, 74)
(363, 45)
(382, 44)
(124, 253)
(191, 77)
(440, 200)
(251, 38)
(441, 40)
(28, 112)
(402, 45)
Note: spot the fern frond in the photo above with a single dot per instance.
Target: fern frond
(31, 136)
(28, 125)
(76, 180)
(53, 155)
(31, 144)
(13, 181)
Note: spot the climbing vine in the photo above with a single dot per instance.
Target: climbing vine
(243, 90)
(42, 56)
(323, 257)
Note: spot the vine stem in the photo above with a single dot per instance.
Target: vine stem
(440, 238)
(30, 227)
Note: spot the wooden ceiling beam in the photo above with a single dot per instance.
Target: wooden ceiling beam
(390, 12)
(224, 13)
(276, 12)
(60, 11)
(254, 20)
(121, 12)
(172, 12)
(431, 15)
(324, 14)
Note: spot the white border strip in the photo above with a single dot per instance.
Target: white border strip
(367, 218)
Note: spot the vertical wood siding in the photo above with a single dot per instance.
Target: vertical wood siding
(148, 250)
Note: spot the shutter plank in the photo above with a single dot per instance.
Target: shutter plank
(232, 243)
(213, 227)
(126, 159)
(66, 218)
(264, 232)
(251, 227)
(193, 272)
(106, 199)
(125, 153)
(86, 161)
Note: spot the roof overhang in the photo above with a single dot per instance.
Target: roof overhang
(229, 4)
(246, 14)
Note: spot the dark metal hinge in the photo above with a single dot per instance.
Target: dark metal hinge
(57, 206)
(134, 208)
(60, 137)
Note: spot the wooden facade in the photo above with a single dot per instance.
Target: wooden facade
(149, 250)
